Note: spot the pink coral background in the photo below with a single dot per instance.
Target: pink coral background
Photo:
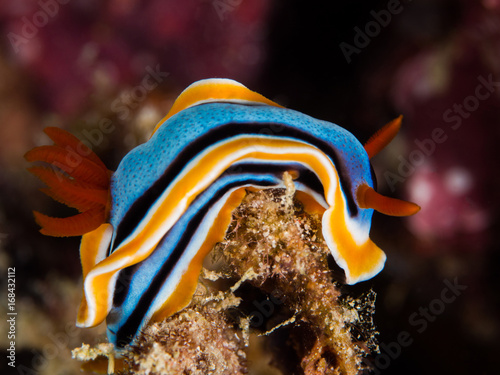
(69, 71)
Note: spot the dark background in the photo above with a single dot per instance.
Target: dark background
(79, 64)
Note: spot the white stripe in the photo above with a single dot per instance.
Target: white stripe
(170, 285)
(155, 237)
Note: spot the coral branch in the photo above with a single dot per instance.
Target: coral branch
(267, 301)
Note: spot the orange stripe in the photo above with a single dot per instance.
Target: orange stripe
(213, 160)
(209, 163)
(91, 250)
(361, 260)
(310, 204)
(213, 90)
(183, 293)
(91, 245)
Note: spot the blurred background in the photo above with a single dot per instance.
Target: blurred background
(88, 65)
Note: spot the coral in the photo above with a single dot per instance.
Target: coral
(195, 341)
(95, 357)
(101, 47)
(274, 236)
(266, 295)
(45, 331)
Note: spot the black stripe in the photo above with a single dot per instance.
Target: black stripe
(141, 206)
(126, 332)
(306, 177)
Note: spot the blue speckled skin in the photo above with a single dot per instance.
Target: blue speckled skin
(144, 165)
(148, 282)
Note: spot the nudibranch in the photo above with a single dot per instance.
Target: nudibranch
(147, 227)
